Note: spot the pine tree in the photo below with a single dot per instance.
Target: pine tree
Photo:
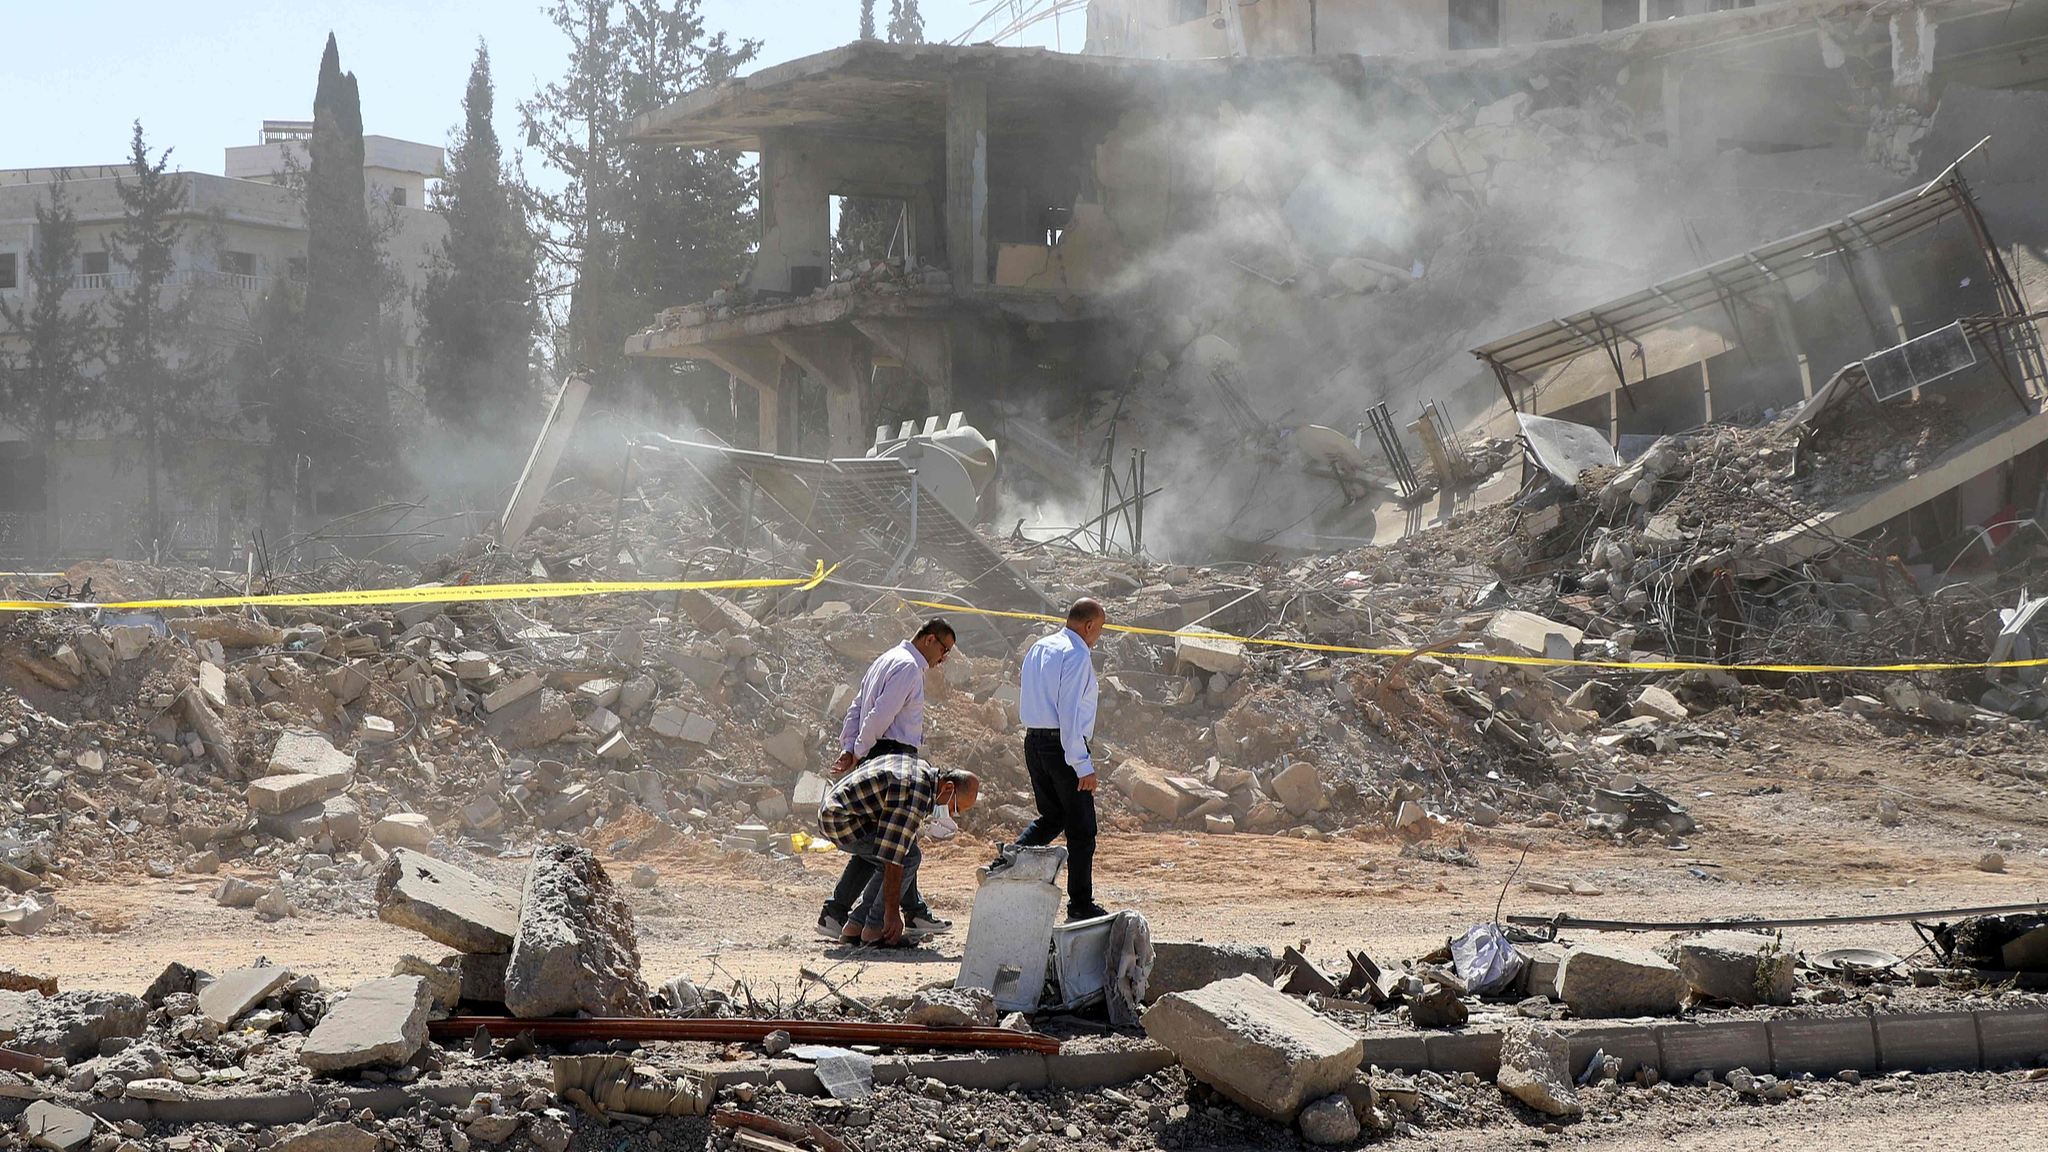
(478, 310)
(153, 377)
(905, 25)
(345, 283)
(638, 227)
(867, 19)
(45, 390)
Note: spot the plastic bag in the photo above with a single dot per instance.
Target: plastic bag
(1484, 959)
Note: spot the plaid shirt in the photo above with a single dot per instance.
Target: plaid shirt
(886, 799)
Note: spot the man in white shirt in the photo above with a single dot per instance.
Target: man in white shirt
(886, 718)
(1057, 705)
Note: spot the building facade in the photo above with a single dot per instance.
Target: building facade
(241, 233)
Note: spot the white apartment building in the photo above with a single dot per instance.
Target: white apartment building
(243, 231)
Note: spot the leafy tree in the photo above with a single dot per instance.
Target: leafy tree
(478, 310)
(867, 19)
(347, 428)
(637, 227)
(906, 26)
(45, 389)
(153, 379)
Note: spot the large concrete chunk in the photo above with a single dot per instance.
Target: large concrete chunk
(1299, 788)
(1601, 980)
(1216, 653)
(280, 794)
(576, 949)
(1739, 967)
(1185, 965)
(1255, 1045)
(1535, 1068)
(48, 1125)
(1519, 633)
(378, 1022)
(336, 817)
(338, 1136)
(69, 1025)
(445, 904)
(300, 752)
(234, 993)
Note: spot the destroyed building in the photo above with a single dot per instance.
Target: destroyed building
(1204, 257)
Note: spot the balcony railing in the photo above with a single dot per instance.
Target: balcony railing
(177, 277)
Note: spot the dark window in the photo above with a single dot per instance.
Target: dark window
(9, 276)
(1619, 14)
(295, 267)
(238, 263)
(1475, 23)
(1186, 10)
(398, 197)
(95, 263)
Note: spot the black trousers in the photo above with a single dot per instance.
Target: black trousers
(1063, 810)
(853, 880)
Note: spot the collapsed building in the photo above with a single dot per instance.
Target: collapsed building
(1202, 257)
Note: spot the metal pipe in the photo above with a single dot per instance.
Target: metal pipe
(457, 1028)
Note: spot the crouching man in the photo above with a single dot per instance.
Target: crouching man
(874, 813)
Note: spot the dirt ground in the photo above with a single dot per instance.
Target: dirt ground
(1789, 819)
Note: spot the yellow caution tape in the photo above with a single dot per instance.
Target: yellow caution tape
(1495, 658)
(445, 594)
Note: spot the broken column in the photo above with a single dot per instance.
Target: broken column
(576, 949)
(1254, 1044)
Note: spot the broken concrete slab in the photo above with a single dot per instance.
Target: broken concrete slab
(213, 685)
(338, 1136)
(1519, 633)
(444, 980)
(1185, 965)
(1149, 788)
(1744, 968)
(519, 689)
(791, 746)
(69, 1025)
(576, 948)
(1210, 653)
(234, 993)
(1535, 1068)
(677, 723)
(952, 1008)
(230, 631)
(280, 794)
(446, 904)
(48, 1125)
(235, 892)
(1659, 703)
(715, 614)
(379, 1022)
(543, 722)
(336, 817)
(809, 795)
(301, 752)
(1601, 980)
(129, 640)
(404, 830)
(1255, 1045)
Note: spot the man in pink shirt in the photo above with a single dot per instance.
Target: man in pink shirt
(886, 718)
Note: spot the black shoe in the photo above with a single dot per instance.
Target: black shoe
(1085, 912)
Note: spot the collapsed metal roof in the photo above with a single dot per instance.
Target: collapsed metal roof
(1604, 328)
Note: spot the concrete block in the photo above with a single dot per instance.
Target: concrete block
(378, 1022)
(791, 746)
(1602, 980)
(335, 1136)
(1930, 1042)
(1184, 965)
(2012, 1037)
(1535, 1068)
(809, 795)
(1521, 633)
(1299, 788)
(445, 904)
(1211, 653)
(129, 640)
(1822, 1046)
(279, 794)
(1657, 703)
(336, 817)
(1255, 1045)
(1474, 1052)
(234, 993)
(1740, 967)
(519, 689)
(1687, 1049)
(404, 830)
(1085, 1070)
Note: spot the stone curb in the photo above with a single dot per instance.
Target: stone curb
(1788, 1046)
